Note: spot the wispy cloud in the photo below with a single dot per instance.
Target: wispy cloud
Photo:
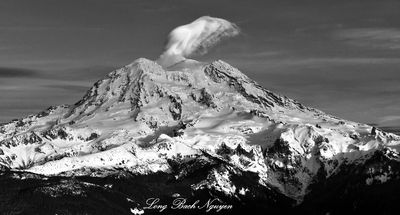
(316, 61)
(70, 87)
(24, 28)
(392, 120)
(16, 72)
(383, 38)
(256, 55)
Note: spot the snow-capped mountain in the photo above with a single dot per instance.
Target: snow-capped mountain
(247, 142)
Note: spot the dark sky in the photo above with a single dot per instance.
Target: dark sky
(341, 56)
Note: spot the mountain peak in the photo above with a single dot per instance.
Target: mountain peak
(143, 80)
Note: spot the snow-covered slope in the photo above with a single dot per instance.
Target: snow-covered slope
(143, 118)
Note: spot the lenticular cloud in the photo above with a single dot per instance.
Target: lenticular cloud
(196, 38)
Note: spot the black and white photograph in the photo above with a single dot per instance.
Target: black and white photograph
(192, 107)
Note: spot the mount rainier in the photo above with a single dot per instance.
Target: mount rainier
(196, 130)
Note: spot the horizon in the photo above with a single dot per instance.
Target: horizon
(344, 63)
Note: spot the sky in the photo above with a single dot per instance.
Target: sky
(340, 56)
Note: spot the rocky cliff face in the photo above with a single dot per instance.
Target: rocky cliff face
(198, 117)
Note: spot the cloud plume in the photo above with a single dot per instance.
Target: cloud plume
(196, 38)
(382, 38)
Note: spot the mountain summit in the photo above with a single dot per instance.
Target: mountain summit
(206, 118)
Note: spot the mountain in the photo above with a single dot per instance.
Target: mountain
(197, 130)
